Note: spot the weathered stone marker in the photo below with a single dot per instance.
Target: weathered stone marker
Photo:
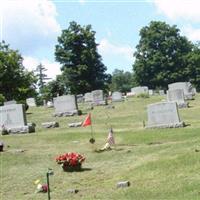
(177, 96)
(31, 102)
(117, 96)
(13, 119)
(65, 106)
(163, 115)
(187, 88)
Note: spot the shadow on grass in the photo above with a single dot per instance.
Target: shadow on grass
(80, 170)
(29, 113)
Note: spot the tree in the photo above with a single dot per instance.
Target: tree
(15, 82)
(82, 66)
(56, 87)
(42, 77)
(121, 81)
(161, 56)
(193, 60)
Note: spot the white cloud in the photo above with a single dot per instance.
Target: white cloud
(106, 48)
(184, 9)
(53, 68)
(191, 33)
(29, 25)
(82, 1)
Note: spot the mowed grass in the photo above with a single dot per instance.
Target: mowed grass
(159, 163)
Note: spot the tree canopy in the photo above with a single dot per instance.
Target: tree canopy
(15, 82)
(82, 66)
(121, 81)
(161, 56)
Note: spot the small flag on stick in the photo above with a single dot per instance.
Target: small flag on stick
(87, 121)
(110, 139)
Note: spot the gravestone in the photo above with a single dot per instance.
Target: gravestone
(98, 98)
(161, 92)
(65, 106)
(49, 104)
(50, 124)
(10, 102)
(88, 97)
(13, 119)
(140, 90)
(80, 98)
(185, 86)
(117, 96)
(163, 115)
(177, 96)
(31, 102)
(151, 92)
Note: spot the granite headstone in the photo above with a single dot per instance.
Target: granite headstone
(65, 105)
(13, 119)
(185, 86)
(163, 115)
(31, 102)
(177, 96)
(140, 90)
(117, 96)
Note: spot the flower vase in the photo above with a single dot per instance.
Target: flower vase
(68, 168)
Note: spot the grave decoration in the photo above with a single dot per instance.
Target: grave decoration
(70, 161)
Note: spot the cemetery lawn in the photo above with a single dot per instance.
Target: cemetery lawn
(159, 163)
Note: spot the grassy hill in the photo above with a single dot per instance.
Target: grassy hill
(159, 163)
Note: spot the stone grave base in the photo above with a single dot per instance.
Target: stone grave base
(99, 103)
(189, 97)
(50, 124)
(66, 114)
(119, 100)
(75, 124)
(174, 125)
(183, 105)
(22, 129)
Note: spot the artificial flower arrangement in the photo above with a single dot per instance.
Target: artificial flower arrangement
(70, 161)
(41, 187)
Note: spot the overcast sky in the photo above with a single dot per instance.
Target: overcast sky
(32, 26)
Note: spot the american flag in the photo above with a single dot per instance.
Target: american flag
(110, 138)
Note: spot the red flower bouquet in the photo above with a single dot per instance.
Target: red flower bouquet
(70, 161)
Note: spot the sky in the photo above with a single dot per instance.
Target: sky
(32, 26)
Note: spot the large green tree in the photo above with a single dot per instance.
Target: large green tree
(121, 81)
(161, 56)
(193, 66)
(82, 66)
(15, 82)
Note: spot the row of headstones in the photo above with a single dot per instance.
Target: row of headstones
(166, 114)
(13, 116)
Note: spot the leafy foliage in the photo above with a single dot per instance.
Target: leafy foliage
(193, 60)
(15, 82)
(161, 56)
(121, 81)
(82, 66)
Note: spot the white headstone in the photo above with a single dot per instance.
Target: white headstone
(31, 102)
(117, 96)
(177, 96)
(65, 105)
(163, 115)
(88, 97)
(151, 92)
(10, 102)
(98, 98)
(140, 90)
(13, 118)
(185, 86)
(161, 92)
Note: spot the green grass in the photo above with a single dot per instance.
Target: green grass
(159, 163)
